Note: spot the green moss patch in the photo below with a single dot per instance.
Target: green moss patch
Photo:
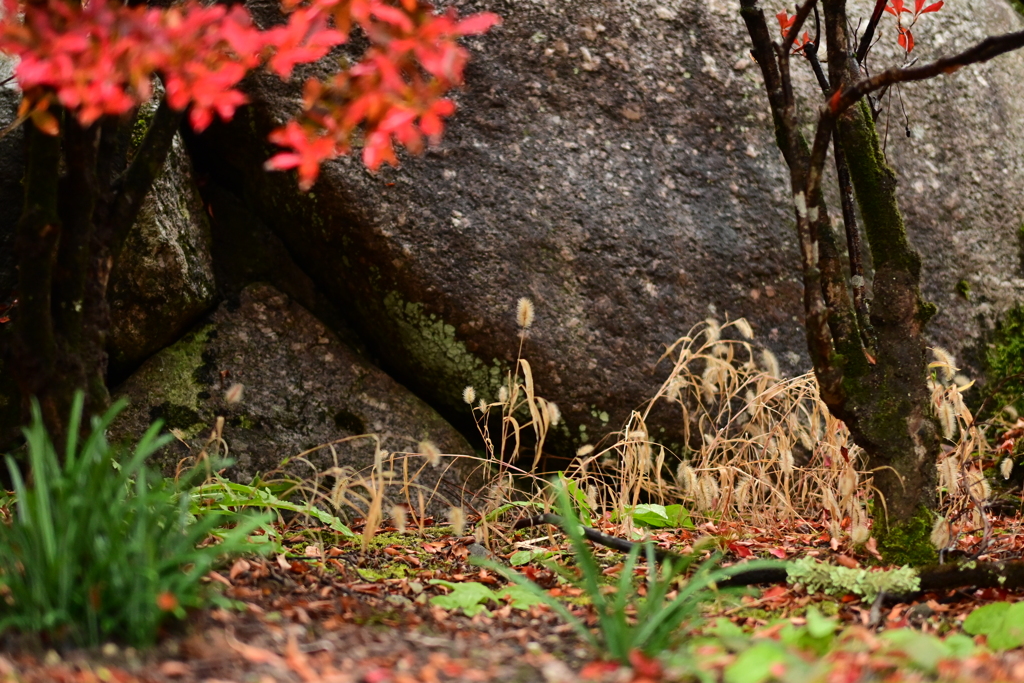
(1004, 362)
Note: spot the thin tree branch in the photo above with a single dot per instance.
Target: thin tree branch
(802, 12)
(809, 208)
(853, 246)
(869, 32)
(982, 52)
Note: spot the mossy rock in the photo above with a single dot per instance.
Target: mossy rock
(303, 389)
(1005, 363)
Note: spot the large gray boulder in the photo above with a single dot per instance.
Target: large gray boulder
(303, 388)
(613, 160)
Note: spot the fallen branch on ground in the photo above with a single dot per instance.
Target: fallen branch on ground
(972, 574)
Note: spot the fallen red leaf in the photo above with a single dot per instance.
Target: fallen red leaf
(598, 669)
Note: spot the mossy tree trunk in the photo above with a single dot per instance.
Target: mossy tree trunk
(81, 199)
(871, 365)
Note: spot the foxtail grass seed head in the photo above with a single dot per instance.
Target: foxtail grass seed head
(980, 488)
(457, 518)
(554, 413)
(398, 515)
(847, 482)
(806, 440)
(585, 449)
(686, 478)
(430, 452)
(1006, 467)
(948, 420)
(745, 329)
(742, 493)
(940, 533)
(234, 393)
(786, 461)
(949, 472)
(860, 534)
(469, 395)
(770, 363)
(962, 382)
(713, 331)
(524, 313)
(503, 394)
(752, 404)
(706, 493)
(944, 363)
(828, 499)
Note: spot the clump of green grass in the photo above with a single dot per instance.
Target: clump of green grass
(632, 617)
(97, 547)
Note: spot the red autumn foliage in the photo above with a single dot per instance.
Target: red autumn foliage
(785, 22)
(100, 59)
(897, 8)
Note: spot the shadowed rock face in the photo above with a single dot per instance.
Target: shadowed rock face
(614, 162)
(303, 388)
(165, 280)
(11, 165)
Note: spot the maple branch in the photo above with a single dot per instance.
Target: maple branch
(869, 32)
(853, 247)
(987, 49)
(811, 213)
(1008, 575)
(802, 12)
(847, 97)
(594, 536)
(143, 170)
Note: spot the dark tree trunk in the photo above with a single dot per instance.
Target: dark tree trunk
(871, 367)
(77, 215)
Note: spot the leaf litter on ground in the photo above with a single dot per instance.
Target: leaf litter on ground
(413, 608)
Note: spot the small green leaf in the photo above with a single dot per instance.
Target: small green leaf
(651, 515)
(1001, 623)
(960, 646)
(923, 649)
(521, 557)
(679, 517)
(579, 499)
(818, 625)
(986, 619)
(470, 597)
(520, 597)
(756, 664)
